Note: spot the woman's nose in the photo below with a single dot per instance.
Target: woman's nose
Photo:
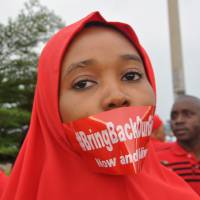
(115, 98)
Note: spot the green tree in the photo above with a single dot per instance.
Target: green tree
(20, 41)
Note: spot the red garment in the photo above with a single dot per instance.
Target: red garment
(182, 163)
(157, 143)
(48, 169)
(157, 122)
(3, 182)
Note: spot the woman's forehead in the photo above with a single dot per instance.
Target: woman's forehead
(98, 39)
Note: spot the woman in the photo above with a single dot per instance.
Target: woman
(91, 71)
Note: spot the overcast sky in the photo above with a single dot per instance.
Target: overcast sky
(150, 21)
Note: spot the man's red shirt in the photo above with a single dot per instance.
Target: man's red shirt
(183, 163)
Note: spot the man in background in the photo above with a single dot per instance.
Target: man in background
(183, 156)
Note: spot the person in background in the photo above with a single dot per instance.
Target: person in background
(183, 156)
(95, 87)
(158, 132)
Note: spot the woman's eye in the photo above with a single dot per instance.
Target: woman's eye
(132, 76)
(83, 84)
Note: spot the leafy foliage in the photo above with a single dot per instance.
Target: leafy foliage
(13, 118)
(20, 41)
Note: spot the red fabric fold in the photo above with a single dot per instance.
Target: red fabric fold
(3, 182)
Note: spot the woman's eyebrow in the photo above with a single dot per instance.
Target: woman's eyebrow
(131, 57)
(81, 64)
(85, 63)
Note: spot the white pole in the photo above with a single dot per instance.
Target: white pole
(176, 49)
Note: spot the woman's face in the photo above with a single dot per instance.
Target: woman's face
(101, 71)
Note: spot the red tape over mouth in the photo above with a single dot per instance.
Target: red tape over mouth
(113, 142)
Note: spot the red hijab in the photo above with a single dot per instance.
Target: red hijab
(3, 182)
(47, 169)
(157, 122)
